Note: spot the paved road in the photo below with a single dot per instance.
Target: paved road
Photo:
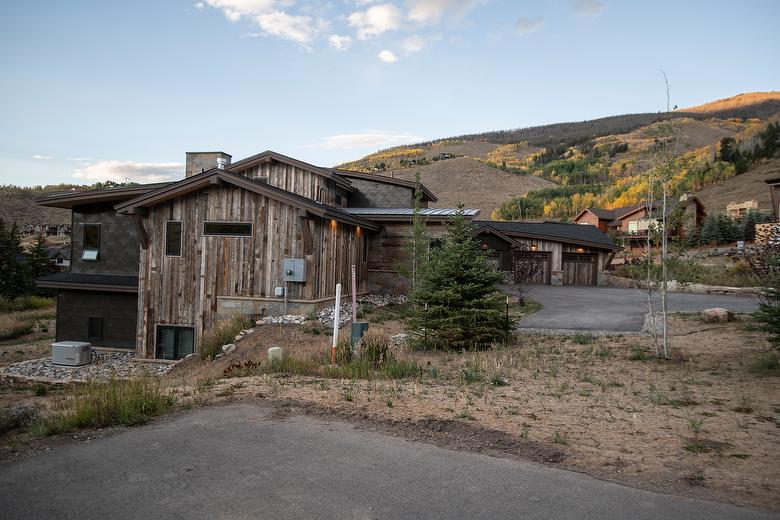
(237, 462)
(613, 309)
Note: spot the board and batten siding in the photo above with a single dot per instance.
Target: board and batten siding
(295, 180)
(184, 290)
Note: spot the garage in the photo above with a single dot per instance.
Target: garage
(579, 268)
(541, 261)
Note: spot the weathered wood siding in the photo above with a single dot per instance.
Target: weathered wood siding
(295, 180)
(184, 290)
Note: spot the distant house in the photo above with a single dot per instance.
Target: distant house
(567, 254)
(633, 222)
(738, 209)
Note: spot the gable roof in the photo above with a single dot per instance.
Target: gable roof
(580, 234)
(600, 213)
(427, 194)
(271, 155)
(216, 176)
(69, 199)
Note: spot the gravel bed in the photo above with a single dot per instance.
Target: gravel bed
(104, 366)
(326, 314)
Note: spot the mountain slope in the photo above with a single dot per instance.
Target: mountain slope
(471, 182)
(748, 186)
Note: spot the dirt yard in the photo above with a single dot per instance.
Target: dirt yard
(704, 423)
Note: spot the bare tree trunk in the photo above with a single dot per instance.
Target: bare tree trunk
(649, 258)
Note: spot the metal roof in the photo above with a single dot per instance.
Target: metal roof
(408, 212)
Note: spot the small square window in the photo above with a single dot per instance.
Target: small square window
(89, 255)
(91, 242)
(95, 329)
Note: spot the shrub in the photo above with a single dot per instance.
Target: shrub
(222, 333)
(585, 338)
(17, 418)
(12, 327)
(375, 348)
(343, 352)
(112, 403)
(24, 303)
(768, 315)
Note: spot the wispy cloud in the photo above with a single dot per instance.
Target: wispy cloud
(269, 16)
(587, 7)
(525, 25)
(121, 171)
(341, 43)
(413, 44)
(432, 11)
(80, 159)
(375, 20)
(39, 157)
(363, 140)
(387, 56)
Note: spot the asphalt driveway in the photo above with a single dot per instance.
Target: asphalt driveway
(613, 309)
(238, 461)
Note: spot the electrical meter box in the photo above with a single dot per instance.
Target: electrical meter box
(293, 269)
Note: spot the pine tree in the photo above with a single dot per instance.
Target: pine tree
(729, 229)
(456, 302)
(710, 230)
(38, 262)
(14, 279)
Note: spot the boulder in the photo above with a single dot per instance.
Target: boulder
(718, 314)
(227, 349)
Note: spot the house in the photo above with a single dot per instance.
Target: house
(774, 189)
(567, 253)
(631, 223)
(154, 266)
(738, 210)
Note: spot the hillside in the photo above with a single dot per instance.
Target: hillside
(453, 181)
(18, 205)
(748, 186)
(603, 162)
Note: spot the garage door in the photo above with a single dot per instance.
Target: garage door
(541, 266)
(579, 268)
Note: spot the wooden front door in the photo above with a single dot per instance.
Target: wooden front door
(579, 268)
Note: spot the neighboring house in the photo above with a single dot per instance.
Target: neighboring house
(154, 266)
(59, 257)
(738, 210)
(774, 189)
(631, 223)
(568, 254)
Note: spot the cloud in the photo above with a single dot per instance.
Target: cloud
(39, 157)
(375, 20)
(80, 159)
(200, 6)
(341, 43)
(432, 11)
(368, 139)
(387, 56)
(413, 44)
(121, 171)
(297, 28)
(587, 7)
(234, 10)
(526, 25)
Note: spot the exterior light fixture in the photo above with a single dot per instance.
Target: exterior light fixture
(533, 247)
(580, 250)
(484, 247)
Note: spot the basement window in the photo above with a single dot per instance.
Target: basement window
(173, 238)
(91, 242)
(227, 229)
(95, 329)
(174, 342)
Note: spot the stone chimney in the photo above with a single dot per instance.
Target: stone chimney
(199, 162)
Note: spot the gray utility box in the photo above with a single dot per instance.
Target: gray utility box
(293, 269)
(71, 353)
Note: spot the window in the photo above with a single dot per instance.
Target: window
(174, 342)
(173, 238)
(228, 229)
(365, 248)
(91, 242)
(95, 329)
(338, 200)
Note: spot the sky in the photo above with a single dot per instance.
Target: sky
(120, 90)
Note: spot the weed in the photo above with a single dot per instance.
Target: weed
(40, 390)
(465, 414)
(585, 338)
(472, 373)
(348, 393)
(203, 385)
(375, 348)
(513, 410)
(559, 439)
(638, 354)
(498, 380)
(222, 333)
(17, 418)
(745, 403)
(696, 447)
(25, 303)
(525, 431)
(767, 363)
(389, 403)
(694, 424)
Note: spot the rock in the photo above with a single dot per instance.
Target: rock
(104, 366)
(230, 347)
(718, 314)
(238, 338)
(218, 356)
(275, 354)
(189, 356)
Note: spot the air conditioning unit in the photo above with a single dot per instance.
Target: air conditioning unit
(71, 353)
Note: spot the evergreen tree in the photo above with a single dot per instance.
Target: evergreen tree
(710, 231)
(14, 279)
(456, 302)
(728, 149)
(729, 229)
(38, 262)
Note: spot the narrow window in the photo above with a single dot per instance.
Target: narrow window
(174, 342)
(95, 329)
(91, 242)
(228, 229)
(172, 238)
(365, 248)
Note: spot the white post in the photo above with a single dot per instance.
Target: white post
(336, 318)
(354, 294)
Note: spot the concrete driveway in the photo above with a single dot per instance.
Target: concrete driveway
(237, 461)
(613, 309)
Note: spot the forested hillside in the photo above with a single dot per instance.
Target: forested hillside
(603, 162)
